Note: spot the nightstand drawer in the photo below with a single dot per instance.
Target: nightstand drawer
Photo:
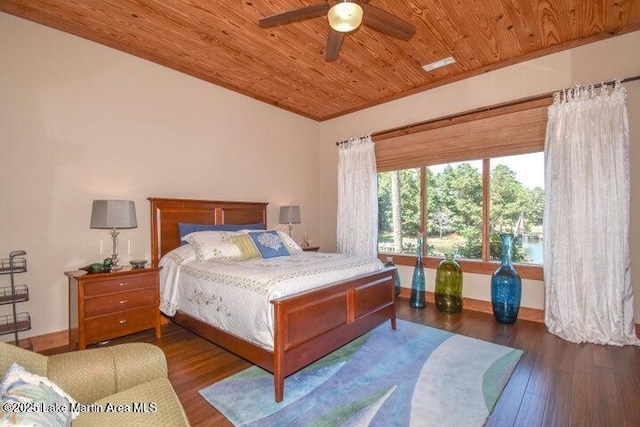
(118, 302)
(118, 324)
(118, 284)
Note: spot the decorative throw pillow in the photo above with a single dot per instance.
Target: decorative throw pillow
(291, 244)
(269, 244)
(29, 399)
(246, 246)
(214, 245)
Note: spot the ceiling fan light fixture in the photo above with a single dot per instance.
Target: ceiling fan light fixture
(345, 16)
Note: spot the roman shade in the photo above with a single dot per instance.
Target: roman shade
(517, 128)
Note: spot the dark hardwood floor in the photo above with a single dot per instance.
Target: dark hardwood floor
(556, 383)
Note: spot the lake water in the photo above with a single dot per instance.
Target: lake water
(533, 248)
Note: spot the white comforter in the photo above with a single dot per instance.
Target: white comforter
(235, 295)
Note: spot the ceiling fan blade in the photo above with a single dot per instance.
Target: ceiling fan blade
(295, 15)
(386, 23)
(334, 43)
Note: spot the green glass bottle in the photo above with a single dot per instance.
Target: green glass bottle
(449, 286)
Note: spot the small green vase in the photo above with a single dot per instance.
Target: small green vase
(449, 286)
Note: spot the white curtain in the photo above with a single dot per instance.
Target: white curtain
(588, 290)
(357, 222)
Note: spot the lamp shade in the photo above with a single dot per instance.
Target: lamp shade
(345, 17)
(289, 214)
(113, 214)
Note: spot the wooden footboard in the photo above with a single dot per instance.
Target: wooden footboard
(312, 324)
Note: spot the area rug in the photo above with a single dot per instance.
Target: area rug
(413, 376)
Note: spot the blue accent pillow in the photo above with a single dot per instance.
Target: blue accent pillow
(186, 228)
(269, 244)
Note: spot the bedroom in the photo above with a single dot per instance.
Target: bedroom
(81, 121)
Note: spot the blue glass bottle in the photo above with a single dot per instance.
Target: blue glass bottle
(396, 275)
(506, 286)
(417, 284)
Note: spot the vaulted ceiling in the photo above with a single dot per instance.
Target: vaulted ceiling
(220, 41)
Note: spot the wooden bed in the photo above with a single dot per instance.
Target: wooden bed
(308, 325)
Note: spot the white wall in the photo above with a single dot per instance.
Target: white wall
(80, 121)
(609, 59)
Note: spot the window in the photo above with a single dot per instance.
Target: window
(517, 205)
(453, 205)
(399, 210)
(454, 209)
(461, 181)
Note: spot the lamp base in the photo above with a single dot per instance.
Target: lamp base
(114, 253)
(115, 267)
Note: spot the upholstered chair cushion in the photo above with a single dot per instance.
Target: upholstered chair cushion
(32, 362)
(89, 375)
(127, 374)
(156, 404)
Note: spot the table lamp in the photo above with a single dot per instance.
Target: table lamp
(290, 215)
(114, 215)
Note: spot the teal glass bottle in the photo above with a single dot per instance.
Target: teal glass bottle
(506, 285)
(417, 284)
(396, 276)
(449, 286)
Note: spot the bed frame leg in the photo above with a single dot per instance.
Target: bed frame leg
(278, 382)
(393, 323)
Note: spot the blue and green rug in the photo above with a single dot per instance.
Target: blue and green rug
(415, 375)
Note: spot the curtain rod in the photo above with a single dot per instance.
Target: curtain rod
(533, 98)
(347, 140)
(610, 82)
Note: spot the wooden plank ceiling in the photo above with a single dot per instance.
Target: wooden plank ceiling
(221, 42)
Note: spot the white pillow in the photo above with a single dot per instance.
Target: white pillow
(214, 245)
(29, 399)
(178, 256)
(291, 244)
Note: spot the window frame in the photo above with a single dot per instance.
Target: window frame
(413, 140)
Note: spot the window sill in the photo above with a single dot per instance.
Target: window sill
(526, 271)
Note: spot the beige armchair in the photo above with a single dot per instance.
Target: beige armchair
(134, 375)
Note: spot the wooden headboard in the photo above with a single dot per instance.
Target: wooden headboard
(167, 213)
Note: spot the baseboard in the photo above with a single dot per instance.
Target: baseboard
(525, 313)
(46, 341)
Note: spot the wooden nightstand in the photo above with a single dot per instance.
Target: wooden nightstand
(109, 305)
(312, 249)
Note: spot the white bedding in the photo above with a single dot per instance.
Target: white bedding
(235, 295)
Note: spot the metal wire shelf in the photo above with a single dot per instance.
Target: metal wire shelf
(21, 294)
(13, 265)
(8, 326)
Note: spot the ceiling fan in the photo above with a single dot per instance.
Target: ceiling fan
(344, 17)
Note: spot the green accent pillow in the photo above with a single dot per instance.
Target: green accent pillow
(246, 246)
(29, 399)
